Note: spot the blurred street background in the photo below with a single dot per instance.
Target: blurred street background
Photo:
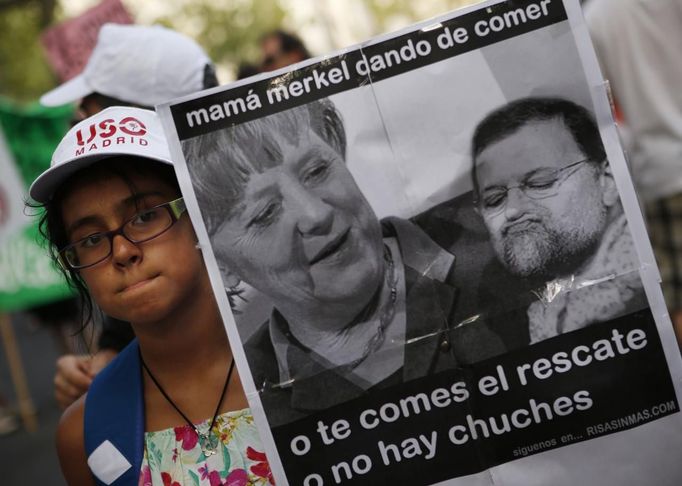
(29, 457)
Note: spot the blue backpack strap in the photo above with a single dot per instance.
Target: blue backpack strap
(114, 421)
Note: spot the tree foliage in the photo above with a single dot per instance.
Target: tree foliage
(391, 14)
(229, 31)
(24, 73)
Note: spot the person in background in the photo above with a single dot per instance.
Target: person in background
(246, 70)
(131, 65)
(75, 372)
(60, 318)
(280, 49)
(638, 46)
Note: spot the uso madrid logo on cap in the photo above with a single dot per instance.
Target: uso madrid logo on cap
(108, 132)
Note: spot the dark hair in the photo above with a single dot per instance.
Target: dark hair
(222, 161)
(210, 80)
(210, 77)
(105, 101)
(288, 42)
(507, 119)
(246, 70)
(51, 221)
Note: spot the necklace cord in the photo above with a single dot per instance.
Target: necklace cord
(386, 314)
(177, 409)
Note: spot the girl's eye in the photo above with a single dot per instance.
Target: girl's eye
(91, 241)
(145, 217)
(266, 216)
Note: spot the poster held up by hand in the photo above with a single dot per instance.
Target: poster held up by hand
(443, 268)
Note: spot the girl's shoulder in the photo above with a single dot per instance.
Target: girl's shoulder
(71, 445)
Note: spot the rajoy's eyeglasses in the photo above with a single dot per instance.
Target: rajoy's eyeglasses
(537, 185)
(143, 226)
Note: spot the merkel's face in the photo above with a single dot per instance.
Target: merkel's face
(540, 199)
(304, 233)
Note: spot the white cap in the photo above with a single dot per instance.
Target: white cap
(137, 64)
(113, 132)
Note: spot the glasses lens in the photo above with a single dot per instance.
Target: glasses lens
(87, 251)
(547, 184)
(540, 186)
(148, 224)
(494, 199)
(70, 257)
(144, 226)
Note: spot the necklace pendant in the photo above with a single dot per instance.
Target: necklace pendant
(208, 443)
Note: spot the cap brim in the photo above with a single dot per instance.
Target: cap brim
(44, 186)
(73, 90)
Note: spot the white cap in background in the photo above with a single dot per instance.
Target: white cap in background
(137, 64)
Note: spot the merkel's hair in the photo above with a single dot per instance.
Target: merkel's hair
(509, 118)
(51, 223)
(221, 162)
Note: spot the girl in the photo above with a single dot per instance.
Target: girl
(170, 409)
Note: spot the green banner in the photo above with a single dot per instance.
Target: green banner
(32, 133)
(28, 276)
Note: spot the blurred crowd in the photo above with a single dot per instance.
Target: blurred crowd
(637, 44)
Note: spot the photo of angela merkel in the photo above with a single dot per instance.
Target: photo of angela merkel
(359, 304)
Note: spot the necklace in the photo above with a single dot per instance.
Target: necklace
(386, 314)
(207, 440)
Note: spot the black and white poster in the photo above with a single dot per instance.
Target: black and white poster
(431, 262)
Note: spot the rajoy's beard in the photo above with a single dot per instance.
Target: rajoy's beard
(539, 253)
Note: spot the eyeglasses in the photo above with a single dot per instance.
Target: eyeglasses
(144, 226)
(538, 185)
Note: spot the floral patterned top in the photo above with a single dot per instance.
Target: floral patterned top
(173, 457)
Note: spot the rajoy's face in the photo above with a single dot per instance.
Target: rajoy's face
(304, 234)
(139, 282)
(551, 231)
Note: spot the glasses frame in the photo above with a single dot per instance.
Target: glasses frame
(175, 209)
(560, 179)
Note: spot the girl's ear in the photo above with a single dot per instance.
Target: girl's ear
(608, 185)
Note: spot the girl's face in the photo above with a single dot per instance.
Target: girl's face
(139, 283)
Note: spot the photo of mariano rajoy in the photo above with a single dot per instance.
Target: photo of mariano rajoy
(544, 189)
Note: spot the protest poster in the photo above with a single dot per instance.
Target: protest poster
(431, 263)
